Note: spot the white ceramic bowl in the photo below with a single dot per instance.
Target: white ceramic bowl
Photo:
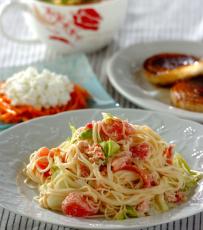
(68, 29)
(17, 142)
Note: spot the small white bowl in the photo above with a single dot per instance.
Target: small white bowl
(73, 28)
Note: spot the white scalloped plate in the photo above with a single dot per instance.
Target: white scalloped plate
(18, 142)
(124, 72)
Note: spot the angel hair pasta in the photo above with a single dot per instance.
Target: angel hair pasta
(113, 169)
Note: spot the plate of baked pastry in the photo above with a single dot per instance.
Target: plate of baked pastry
(164, 76)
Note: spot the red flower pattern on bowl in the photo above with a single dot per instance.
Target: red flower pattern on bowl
(67, 29)
(87, 19)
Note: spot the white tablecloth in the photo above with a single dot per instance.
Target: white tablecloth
(146, 20)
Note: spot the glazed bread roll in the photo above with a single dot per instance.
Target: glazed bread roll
(168, 68)
(188, 94)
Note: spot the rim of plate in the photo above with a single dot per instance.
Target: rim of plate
(120, 224)
(147, 103)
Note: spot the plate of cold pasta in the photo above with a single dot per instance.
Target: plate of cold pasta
(103, 169)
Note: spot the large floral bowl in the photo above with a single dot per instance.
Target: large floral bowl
(67, 29)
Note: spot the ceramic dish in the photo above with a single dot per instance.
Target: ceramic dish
(68, 28)
(79, 71)
(124, 71)
(19, 141)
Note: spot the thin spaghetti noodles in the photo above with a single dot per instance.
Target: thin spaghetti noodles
(111, 168)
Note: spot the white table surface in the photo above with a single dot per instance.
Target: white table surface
(147, 20)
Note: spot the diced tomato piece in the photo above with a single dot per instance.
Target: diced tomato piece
(141, 151)
(89, 126)
(144, 176)
(85, 172)
(119, 162)
(179, 196)
(54, 152)
(175, 197)
(103, 170)
(169, 154)
(75, 204)
(43, 152)
(43, 163)
(47, 173)
(129, 130)
(116, 130)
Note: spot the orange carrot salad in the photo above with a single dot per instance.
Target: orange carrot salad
(13, 114)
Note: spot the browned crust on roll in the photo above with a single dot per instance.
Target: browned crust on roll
(188, 95)
(168, 68)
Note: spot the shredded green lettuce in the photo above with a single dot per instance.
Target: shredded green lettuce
(161, 203)
(181, 162)
(193, 177)
(121, 215)
(54, 171)
(107, 116)
(110, 148)
(72, 128)
(73, 132)
(128, 212)
(87, 134)
(131, 212)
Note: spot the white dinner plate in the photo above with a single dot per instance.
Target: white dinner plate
(124, 71)
(18, 142)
